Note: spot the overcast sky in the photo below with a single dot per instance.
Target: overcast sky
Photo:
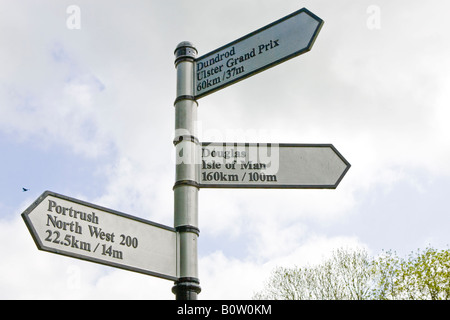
(86, 110)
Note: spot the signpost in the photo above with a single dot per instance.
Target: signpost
(82, 230)
(244, 165)
(78, 229)
(262, 49)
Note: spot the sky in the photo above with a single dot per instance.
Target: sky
(86, 110)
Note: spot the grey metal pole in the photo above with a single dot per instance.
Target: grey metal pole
(187, 287)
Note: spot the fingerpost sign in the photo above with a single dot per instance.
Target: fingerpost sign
(78, 229)
(260, 50)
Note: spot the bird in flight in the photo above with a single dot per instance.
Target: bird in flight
(24, 189)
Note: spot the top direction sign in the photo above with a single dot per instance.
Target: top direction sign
(262, 49)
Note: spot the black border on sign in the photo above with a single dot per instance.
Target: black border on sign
(279, 186)
(292, 55)
(41, 246)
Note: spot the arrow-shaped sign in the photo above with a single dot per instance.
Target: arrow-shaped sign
(262, 49)
(78, 229)
(247, 165)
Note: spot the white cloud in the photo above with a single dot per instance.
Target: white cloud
(225, 278)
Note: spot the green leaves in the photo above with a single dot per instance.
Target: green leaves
(424, 275)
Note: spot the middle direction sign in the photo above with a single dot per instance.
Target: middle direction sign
(262, 49)
(258, 165)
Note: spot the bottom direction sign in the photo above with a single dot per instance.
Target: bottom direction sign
(78, 229)
(269, 165)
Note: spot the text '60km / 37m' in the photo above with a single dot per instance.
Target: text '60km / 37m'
(227, 65)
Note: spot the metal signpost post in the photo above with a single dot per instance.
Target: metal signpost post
(75, 228)
(186, 185)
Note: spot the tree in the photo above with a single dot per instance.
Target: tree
(345, 276)
(353, 275)
(422, 276)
